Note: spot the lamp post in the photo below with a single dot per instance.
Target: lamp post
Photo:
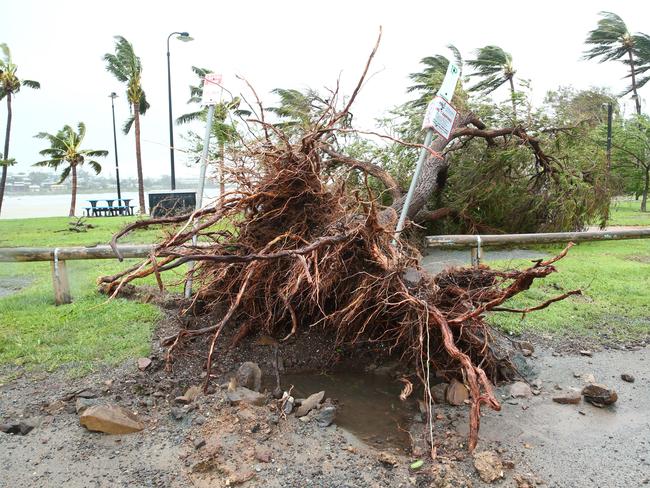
(113, 96)
(182, 36)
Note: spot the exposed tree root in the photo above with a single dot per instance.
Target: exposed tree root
(303, 251)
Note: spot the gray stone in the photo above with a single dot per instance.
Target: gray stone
(438, 392)
(249, 375)
(83, 403)
(16, 428)
(177, 413)
(412, 276)
(325, 416)
(199, 443)
(627, 377)
(310, 403)
(519, 389)
(244, 395)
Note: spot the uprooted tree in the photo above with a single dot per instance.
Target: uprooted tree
(304, 250)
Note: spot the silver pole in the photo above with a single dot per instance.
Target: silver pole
(199, 196)
(416, 175)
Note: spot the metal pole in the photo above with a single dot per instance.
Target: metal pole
(610, 111)
(204, 156)
(113, 96)
(199, 196)
(171, 126)
(416, 175)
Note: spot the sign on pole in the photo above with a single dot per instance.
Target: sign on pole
(448, 86)
(440, 116)
(211, 89)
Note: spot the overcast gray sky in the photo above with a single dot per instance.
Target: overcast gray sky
(294, 44)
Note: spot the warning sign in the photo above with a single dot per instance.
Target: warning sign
(440, 116)
(211, 89)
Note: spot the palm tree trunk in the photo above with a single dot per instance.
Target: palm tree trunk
(5, 154)
(73, 200)
(512, 96)
(138, 157)
(637, 102)
(646, 186)
(222, 176)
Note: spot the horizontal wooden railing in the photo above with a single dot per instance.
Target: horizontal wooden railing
(496, 240)
(58, 256)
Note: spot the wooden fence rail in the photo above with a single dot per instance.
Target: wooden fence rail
(59, 255)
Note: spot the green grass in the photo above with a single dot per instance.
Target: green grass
(626, 212)
(85, 334)
(615, 279)
(52, 231)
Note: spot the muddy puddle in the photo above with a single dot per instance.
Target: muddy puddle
(368, 405)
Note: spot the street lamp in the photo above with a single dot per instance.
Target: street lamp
(113, 96)
(185, 37)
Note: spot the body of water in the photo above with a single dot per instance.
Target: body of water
(36, 205)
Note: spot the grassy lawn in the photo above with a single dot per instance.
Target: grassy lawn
(86, 333)
(615, 280)
(626, 212)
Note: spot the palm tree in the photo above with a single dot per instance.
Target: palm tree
(428, 81)
(65, 150)
(10, 84)
(494, 65)
(611, 40)
(223, 131)
(127, 68)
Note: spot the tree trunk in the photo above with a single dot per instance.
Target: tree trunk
(512, 96)
(429, 177)
(5, 154)
(138, 157)
(646, 185)
(222, 166)
(73, 199)
(637, 101)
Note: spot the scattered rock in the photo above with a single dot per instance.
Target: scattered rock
(189, 396)
(524, 481)
(177, 413)
(589, 378)
(83, 403)
(456, 393)
(536, 383)
(110, 419)
(199, 442)
(488, 465)
(387, 458)
(439, 392)
(249, 375)
(289, 402)
(243, 395)
(309, 403)
(519, 389)
(325, 416)
(16, 428)
(568, 398)
(86, 393)
(527, 348)
(586, 352)
(143, 363)
(599, 395)
(263, 454)
(627, 377)
(54, 407)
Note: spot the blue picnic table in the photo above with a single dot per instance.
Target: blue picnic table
(109, 210)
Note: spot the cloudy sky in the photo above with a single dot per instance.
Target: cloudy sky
(273, 44)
